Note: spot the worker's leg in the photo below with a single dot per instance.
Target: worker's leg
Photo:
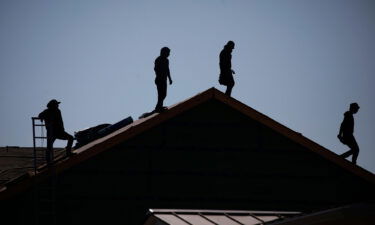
(229, 90)
(355, 149)
(49, 151)
(65, 136)
(230, 86)
(162, 93)
(347, 154)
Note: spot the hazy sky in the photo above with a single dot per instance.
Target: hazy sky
(299, 62)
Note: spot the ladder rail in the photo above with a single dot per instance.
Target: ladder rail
(34, 146)
(35, 137)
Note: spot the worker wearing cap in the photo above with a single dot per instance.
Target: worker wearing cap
(55, 129)
(346, 133)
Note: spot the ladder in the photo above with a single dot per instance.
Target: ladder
(44, 192)
(38, 123)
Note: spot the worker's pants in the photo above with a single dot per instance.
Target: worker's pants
(226, 78)
(51, 137)
(162, 93)
(354, 149)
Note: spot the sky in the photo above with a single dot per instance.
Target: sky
(300, 62)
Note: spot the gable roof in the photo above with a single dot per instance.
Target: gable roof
(139, 126)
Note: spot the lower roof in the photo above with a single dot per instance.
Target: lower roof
(213, 217)
(362, 214)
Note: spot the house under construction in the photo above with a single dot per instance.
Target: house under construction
(207, 160)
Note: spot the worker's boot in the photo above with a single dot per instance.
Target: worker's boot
(69, 152)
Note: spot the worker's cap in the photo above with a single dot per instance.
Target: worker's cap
(53, 102)
(354, 105)
(165, 50)
(230, 44)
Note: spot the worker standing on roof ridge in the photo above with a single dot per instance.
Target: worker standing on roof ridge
(55, 129)
(226, 72)
(346, 133)
(162, 73)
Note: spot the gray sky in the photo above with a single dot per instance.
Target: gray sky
(299, 62)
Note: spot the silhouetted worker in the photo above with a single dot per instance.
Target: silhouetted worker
(346, 133)
(55, 129)
(162, 73)
(226, 72)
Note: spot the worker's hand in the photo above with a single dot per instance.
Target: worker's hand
(170, 81)
(340, 138)
(233, 72)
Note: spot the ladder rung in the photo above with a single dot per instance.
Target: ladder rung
(39, 125)
(41, 137)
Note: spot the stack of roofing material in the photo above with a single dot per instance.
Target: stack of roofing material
(109, 129)
(88, 135)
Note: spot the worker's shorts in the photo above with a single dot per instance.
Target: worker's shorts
(226, 79)
(161, 85)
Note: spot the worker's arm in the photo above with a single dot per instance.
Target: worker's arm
(169, 74)
(341, 130)
(342, 127)
(340, 135)
(43, 115)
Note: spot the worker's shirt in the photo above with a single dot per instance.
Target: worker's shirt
(348, 124)
(161, 68)
(53, 119)
(225, 61)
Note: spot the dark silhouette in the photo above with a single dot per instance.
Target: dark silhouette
(226, 72)
(162, 73)
(346, 133)
(55, 129)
